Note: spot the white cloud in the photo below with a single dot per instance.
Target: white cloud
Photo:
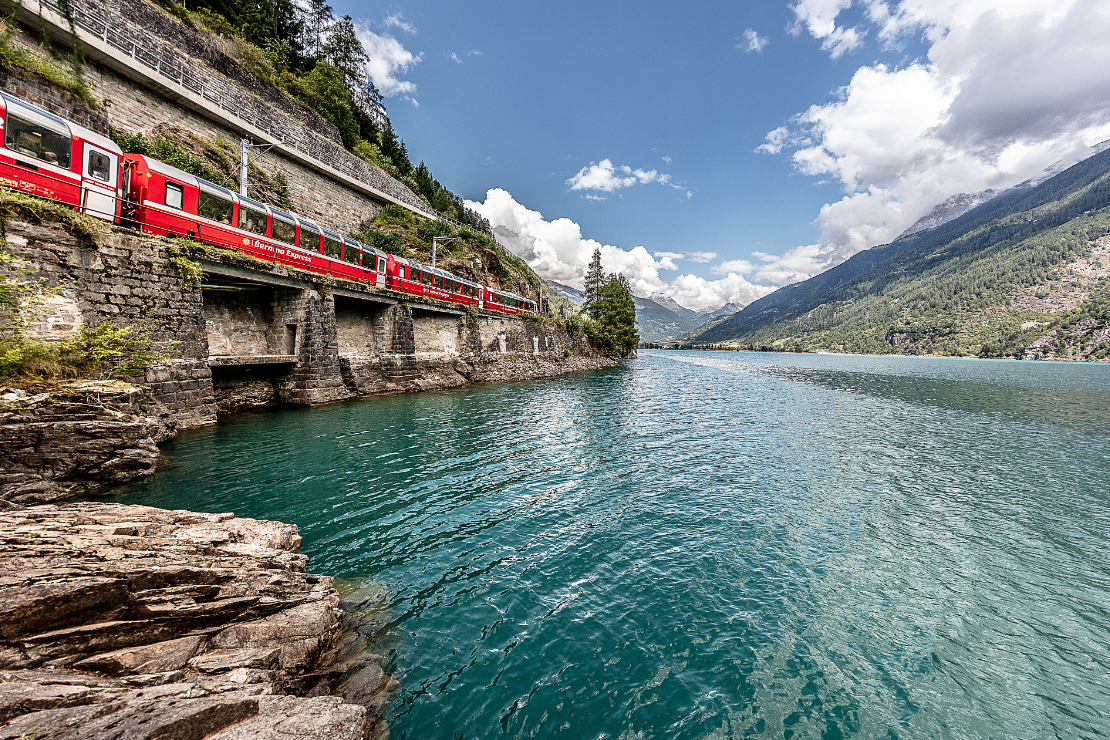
(397, 20)
(701, 256)
(606, 176)
(556, 250)
(1008, 88)
(753, 41)
(455, 56)
(742, 267)
(389, 60)
(666, 159)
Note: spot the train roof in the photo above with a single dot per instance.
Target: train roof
(312, 225)
(252, 203)
(285, 216)
(169, 171)
(60, 123)
(220, 189)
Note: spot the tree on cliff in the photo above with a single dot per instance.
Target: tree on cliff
(614, 331)
(345, 52)
(595, 280)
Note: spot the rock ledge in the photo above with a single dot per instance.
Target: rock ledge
(129, 622)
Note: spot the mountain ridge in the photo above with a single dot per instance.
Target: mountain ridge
(948, 289)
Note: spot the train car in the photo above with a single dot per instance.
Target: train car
(372, 260)
(417, 279)
(506, 302)
(48, 156)
(165, 200)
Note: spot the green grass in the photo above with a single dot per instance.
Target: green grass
(15, 57)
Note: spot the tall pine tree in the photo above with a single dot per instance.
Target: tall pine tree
(595, 280)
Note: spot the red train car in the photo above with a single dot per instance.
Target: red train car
(418, 279)
(165, 200)
(57, 159)
(48, 156)
(506, 302)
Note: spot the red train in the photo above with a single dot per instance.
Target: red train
(48, 156)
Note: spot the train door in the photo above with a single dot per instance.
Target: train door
(380, 271)
(99, 174)
(481, 297)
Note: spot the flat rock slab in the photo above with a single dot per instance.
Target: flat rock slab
(129, 623)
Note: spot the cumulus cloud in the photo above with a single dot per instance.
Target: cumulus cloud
(1007, 89)
(557, 250)
(753, 41)
(818, 17)
(607, 177)
(389, 61)
(701, 256)
(742, 267)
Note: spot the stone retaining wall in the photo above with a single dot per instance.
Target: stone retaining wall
(153, 69)
(246, 337)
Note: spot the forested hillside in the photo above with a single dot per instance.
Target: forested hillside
(993, 282)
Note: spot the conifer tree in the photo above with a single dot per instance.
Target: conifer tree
(318, 20)
(595, 280)
(345, 52)
(615, 332)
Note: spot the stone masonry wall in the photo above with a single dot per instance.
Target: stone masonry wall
(177, 55)
(126, 277)
(134, 108)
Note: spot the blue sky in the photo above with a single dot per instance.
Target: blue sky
(779, 137)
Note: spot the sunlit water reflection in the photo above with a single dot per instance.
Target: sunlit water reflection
(709, 544)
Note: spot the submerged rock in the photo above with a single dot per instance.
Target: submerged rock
(134, 622)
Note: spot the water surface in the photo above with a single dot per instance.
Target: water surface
(709, 545)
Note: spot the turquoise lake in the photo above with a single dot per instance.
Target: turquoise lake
(708, 545)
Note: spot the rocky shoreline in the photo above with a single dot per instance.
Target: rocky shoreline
(135, 622)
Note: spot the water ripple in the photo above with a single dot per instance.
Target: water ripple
(709, 545)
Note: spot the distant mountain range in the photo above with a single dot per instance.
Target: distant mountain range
(659, 319)
(1024, 274)
(961, 203)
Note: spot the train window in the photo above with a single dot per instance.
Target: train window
(214, 207)
(427, 278)
(37, 136)
(99, 166)
(331, 247)
(283, 231)
(175, 195)
(400, 270)
(310, 239)
(381, 264)
(439, 281)
(251, 220)
(352, 254)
